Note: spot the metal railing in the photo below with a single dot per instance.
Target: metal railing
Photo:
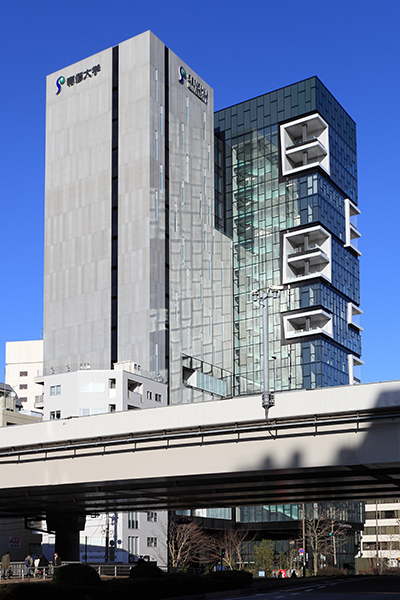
(18, 570)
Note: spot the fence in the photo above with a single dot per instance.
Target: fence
(20, 571)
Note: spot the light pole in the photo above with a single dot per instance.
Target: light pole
(268, 397)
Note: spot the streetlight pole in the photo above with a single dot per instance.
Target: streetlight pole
(268, 397)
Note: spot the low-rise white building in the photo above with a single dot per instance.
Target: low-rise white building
(24, 362)
(380, 543)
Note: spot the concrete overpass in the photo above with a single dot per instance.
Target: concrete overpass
(326, 444)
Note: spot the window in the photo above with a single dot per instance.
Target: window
(133, 544)
(133, 520)
(156, 205)
(155, 84)
(23, 373)
(111, 408)
(152, 516)
(113, 384)
(158, 397)
(24, 399)
(23, 386)
(152, 542)
(91, 386)
(156, 145)
(55, 415)
(149, 395)
(55, 390)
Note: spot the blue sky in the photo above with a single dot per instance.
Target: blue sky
(242, 49)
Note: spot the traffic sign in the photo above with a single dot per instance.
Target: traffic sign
(301, 550)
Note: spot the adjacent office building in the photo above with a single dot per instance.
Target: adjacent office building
(163, 218)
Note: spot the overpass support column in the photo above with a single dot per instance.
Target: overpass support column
(67, 528)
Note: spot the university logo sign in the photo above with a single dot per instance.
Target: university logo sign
(75, 79)
(194, 86)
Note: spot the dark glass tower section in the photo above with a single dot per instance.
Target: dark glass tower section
(286, 193)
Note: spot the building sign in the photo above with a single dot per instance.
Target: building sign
(14, 541)
(194, 86)
(75, 79)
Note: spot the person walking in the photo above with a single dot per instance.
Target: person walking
(28, 564)
(56, 560)
(5, 563)
(36, 563)
(43, 564)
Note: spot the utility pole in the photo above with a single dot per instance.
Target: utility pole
(304, 541)
(107, 537)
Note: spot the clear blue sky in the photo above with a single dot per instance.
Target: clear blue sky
(242, 49)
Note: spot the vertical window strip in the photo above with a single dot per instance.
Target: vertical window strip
(222, 328)
(182, 193)
(156, 359)
(156, 205)
(176, 306)
(182, 136)
(204, 125)
(209, 321)
(209, 265)
(208, 156)
(213, 243)
(209, 212)
(187, 283)
(156, 144)
(161, 178)
(205, 238)
(176, 218)
(222, 273)
(187, 110)
(161, 120)
(201, 289)
(187, 167)
(201, 206)
(201, 346)
(213, 352)
(155, 84)
(204, 182)
(183, 250)
(213, 296)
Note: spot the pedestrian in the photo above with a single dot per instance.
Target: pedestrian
(28, 564)
(5, 563)
(36, 563)
(56, 560)
(43, 564)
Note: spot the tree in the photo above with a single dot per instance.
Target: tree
(186, 542)
(235, 542)
(318, 528)
(263, 556)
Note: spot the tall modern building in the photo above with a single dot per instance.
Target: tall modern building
(134, 268)
(286, 193)
(162, 219)
(145, 262)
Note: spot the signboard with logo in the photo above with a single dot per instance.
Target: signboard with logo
(14, 541)
(75, 79)
(193, 85)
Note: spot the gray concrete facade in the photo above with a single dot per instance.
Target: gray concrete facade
(171, 294)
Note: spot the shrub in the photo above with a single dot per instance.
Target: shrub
(76, 575)
(146, 569)
(230, 580)
(331, 572)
